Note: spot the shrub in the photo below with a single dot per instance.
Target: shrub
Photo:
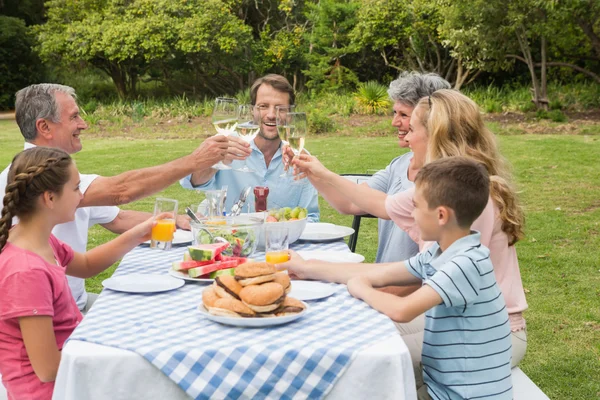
(243, 96)
(372, 98)
(19, 66)
(319, 122)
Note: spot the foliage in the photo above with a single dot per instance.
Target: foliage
(319, 122)
(372, 98)
(127, 39)
(19, 66)
(330, 45)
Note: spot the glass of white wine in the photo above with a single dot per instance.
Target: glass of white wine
(247, 128)
(224, 119)
(296, 129)
(283, 128)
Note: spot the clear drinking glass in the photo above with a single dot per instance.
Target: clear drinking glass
(247, 127)
(276, 244)
(296, 127)
(162, 232)
(224, 119)
(282, 128)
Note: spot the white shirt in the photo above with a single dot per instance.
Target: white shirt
(75, 233)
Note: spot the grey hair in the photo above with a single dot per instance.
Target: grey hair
(410, 87)
(35, 102)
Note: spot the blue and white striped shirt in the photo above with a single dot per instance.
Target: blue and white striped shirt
(467, 344)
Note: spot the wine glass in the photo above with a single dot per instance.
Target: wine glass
(247, 128)
(282, 128)
(224, 119)
(296, 128)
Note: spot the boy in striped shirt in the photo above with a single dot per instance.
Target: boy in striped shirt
(467, 346)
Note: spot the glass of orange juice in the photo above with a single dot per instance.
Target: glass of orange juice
(276, 244)
(162, 232)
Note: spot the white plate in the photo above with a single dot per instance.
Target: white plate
(331, 256)
(252, 322)
(186, 277)
(142, 283)
(310, 290)
(323, 232)
(180, 237)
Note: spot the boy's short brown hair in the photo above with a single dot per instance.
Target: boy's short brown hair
(278, 82)
(458, 183)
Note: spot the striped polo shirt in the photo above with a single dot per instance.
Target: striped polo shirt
(467, 344)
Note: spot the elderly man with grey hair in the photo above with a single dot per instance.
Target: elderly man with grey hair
(48, 115)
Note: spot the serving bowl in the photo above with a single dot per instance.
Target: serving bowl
(242, 233)
(295, 228)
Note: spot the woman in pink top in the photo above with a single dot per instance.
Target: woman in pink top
(37, 310)
(446, 124)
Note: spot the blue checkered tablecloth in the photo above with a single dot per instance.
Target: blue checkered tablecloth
(302, 359)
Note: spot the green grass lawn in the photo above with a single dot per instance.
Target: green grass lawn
(559, 180)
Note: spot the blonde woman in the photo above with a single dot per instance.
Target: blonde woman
(445, 124)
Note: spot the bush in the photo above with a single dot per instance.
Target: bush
(553, 115)
(19, 65)
(243, 96)
(319, 122)
(372, 98)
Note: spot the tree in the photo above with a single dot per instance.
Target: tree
(331, 22)
(493, 33)
(406, 35)
(126, 39)
(19, 66)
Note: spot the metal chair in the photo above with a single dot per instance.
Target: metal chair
(358, 179)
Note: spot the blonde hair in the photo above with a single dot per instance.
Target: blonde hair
(456, 128)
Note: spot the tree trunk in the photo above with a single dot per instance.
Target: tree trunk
(543, 92)
(460, 76)
(525, 49)
(119, 80)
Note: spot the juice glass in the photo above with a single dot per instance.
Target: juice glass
(276, 244)
(162, 232)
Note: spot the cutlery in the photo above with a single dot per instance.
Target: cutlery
(192, 215)
(237, 207)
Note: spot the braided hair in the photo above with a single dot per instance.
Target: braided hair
(33, 172)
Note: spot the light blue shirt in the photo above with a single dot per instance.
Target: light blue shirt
(467, 344)
(282, 193)
(394, 243)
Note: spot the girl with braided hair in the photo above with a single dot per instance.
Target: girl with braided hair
(37, 310)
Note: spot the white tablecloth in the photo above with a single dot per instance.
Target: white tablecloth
(91, 371)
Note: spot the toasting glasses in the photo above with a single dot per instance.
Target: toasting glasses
(247, 127)
(224, 119)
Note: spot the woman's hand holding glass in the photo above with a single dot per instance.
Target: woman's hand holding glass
(307, 166)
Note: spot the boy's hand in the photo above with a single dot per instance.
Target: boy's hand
(358, 286)
(297, 267)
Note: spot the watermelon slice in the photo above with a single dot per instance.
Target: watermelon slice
(185, 265)
(239, 260)
(205, 252)
(228, 271)
(206, 269)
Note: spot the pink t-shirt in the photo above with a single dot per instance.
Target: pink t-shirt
(30, 286)
(504, 257)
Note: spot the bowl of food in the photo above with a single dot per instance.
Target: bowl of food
(292, 218)
(241, 232)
